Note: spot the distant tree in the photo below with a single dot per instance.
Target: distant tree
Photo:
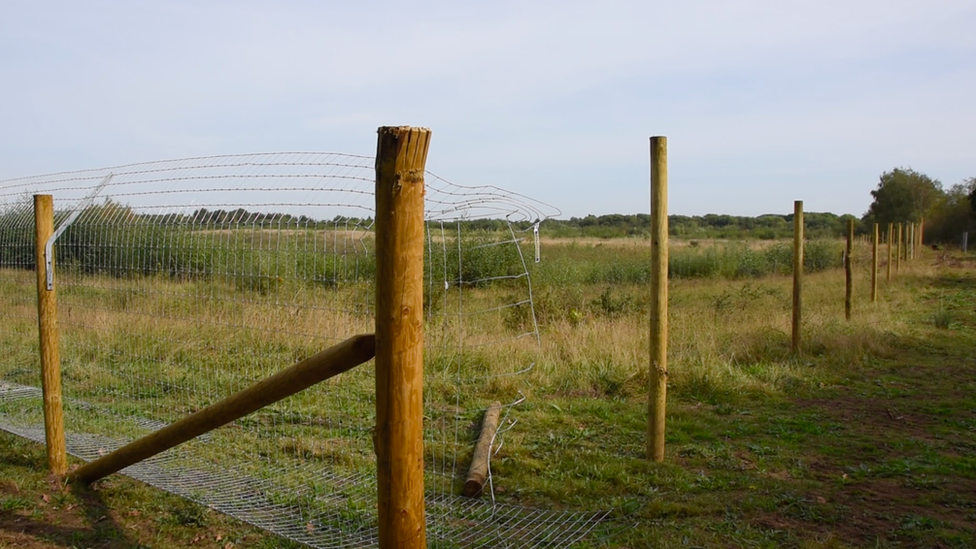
(971, 185)
(954, 215)
(903, 194)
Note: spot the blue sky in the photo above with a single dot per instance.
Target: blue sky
(763, 101)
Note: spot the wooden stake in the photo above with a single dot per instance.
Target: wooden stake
(901, 230)
(47, 323)
(797, 272)
(329, 363)
(478, 473)
(848, 274)
(874, 265)
(908, 242)
(657, 407)
(911, 241)
(401, 156)
(891, 227)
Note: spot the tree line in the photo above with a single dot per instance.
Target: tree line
(902, 195)
(768, 226)
(905, 195)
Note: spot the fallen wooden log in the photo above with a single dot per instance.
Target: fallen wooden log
(478, 473)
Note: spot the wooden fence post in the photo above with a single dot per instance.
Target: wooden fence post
(874, 265)
(659, 299)
(899, 250)
(848, 275)
(401, 156)
(47, 320)
(891, 227)
(908, 242)
(911, 241)
(797, 272)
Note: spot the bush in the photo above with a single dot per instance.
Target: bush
(479, 261)
(820, 255)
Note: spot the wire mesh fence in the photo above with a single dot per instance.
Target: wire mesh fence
(182, 282)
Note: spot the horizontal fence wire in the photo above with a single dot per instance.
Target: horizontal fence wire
(185, 281)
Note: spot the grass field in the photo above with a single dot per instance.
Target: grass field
(865, 439)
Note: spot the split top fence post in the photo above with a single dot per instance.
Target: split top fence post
(401, 156)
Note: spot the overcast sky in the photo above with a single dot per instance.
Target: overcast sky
(763, 101)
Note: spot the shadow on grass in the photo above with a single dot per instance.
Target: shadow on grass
(87, 524)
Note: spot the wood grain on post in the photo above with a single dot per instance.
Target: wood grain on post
(47, 323)
(797, 272)
(874, 265)
(657, 406)
(329, 363)
(474, 485)
(848, 273)
(891, 227)
(401, 156)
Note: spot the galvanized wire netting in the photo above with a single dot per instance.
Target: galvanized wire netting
(184, 281)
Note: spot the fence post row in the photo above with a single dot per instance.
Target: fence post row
(399, 337)
(401, 156)
(659, 299)
(797, 272)
(47, 320)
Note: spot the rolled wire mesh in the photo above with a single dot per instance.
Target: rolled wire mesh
(186, 281)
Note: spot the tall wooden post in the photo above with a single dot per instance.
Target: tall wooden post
(47, 320)
(848, 274)
(899, 250)
(921, 233)
(797, 272)
(911, 241)
(659, 299)
(874, 265)
(908, 241)
(401, 156)
(891, 227)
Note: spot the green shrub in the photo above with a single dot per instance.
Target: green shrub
(480, 260)
(820, 255)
